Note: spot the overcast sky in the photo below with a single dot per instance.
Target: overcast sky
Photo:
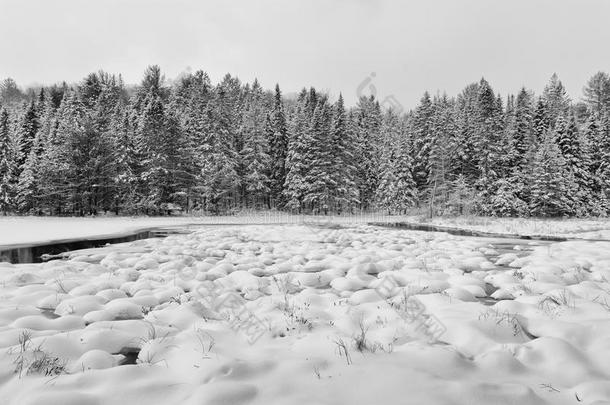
(334, 45)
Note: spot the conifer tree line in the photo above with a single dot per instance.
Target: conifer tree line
(193, 146)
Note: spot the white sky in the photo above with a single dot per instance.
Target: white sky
(412, 46)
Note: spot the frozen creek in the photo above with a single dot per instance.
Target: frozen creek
(297, 315)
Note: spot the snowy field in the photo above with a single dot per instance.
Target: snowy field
(289, 314)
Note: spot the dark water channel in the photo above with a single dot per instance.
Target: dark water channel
(38, 253)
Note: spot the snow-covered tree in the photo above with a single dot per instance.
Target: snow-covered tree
(277, 130)
(555, 99)
(552, 184)
(423, 139)
(368, 123)
(254, 155)
(343, 140)
(319, 179)
(7, 164)
(297, 163)
(597, 93)
(26, 132)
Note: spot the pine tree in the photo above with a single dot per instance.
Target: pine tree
(254, 154)
(56, 169)
(489, 145)
(541, 121)
(386, 191)
(442, 149)
(368, 113)
(343, 153)
(27, 190)
(6, 163)
(552, 184)
(277, 131)
(461, 197)
(597, 138)
(570, 145)
(466, 153)
(423, 139)
(297, 163)
(26, 132)
(96, 147)
(29, 198)
(405, 188)
(520, 130)
(593, 139)
(160, 142)
(193, 101)
(10, 92)
(152, 134)
(219, 173)
(556, 99)
(319, 178)
(597, 93)
(397, 190)
(506, 201)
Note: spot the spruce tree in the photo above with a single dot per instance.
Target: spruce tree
(552, 184)
(27, 190)
(521, 130)
(26, 132)
(541, 121)
(10, 92)
(6, 163)
(343, 151)
(405, 188)
(297, 163)
(442, 149)
(466, 153)
(193, 101)
(423, 138)
(368, 113)
(255, 157)
(597, 93)
(556, 99)
(570, 145)
(277, 130)
(597, 136)
(489, 144)
(319, 179)
(219, 173)
(386, 191)
(56, 168)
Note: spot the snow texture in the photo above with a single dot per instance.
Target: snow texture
(291, 314)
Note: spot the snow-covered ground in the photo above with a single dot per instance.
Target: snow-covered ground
(36, 230)
(16, 230)
(32, 230)
(288, 314)
(595, 228)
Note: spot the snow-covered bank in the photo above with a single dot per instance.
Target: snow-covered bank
(32, 230)
(36, 230)
(300, 315)
(598, 228)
